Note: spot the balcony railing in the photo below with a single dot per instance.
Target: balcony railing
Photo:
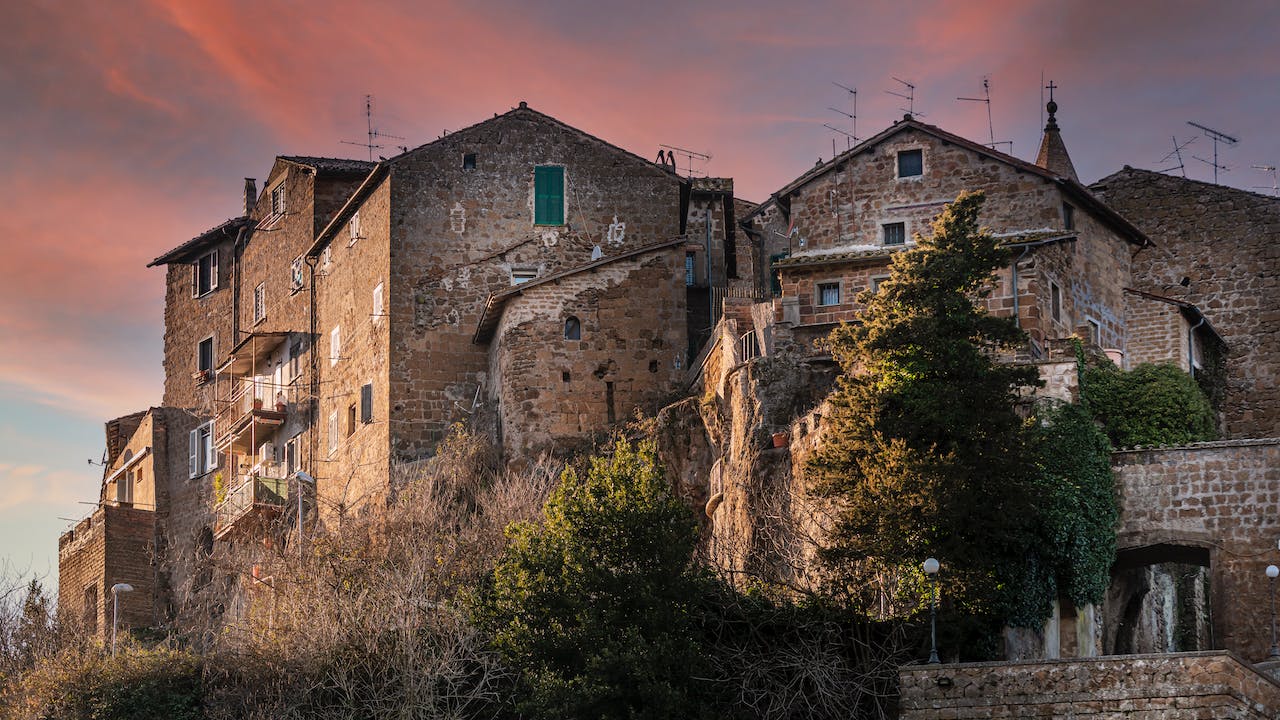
(252, 415)
(260, 495)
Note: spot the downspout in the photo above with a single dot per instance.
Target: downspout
(711, 291)
(314, 404)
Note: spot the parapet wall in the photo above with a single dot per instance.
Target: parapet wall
(1212, 684)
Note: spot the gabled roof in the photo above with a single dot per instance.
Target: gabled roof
(1070, 187)
(492, 312)
(209, 237)
(331, 166)
(379, 170)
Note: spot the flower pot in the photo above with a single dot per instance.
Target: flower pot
(780, 439)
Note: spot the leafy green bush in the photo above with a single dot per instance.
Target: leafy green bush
(1150, 405)
(90, 685)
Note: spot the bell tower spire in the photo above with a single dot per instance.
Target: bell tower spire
(1053, 152)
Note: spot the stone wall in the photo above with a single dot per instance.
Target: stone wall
(113, 545)
(1203, 685)
(554, 392)
(187, 321)
(1219, 500)
(1224, 242)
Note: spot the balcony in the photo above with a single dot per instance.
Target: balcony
(245, 424)
(259, 498)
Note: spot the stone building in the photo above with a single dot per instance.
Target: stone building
(520, 274)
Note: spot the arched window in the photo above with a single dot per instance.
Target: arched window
(572, 328)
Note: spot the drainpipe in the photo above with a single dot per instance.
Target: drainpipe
(314, 402)
(711, 292)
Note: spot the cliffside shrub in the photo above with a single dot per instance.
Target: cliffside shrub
(1149, 405)
(89, 684)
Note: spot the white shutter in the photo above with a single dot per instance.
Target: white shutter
(193, 449)
(211, 454)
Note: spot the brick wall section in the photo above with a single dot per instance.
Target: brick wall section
(1223, 496)
(456, 234)
(113, 545)
(1224, 241)
(1157, 332)
(1208, 685)
(187, 321)
(554, 392)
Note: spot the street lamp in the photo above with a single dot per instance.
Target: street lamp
(931, 567)
(115, 610)
(301, 477)
(1273, 572)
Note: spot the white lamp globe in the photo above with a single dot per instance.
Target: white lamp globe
(931, 566)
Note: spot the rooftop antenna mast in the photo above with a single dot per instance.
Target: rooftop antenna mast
(850, 138)
(1217, 138)
(373, 133)
(909, 96)
(1275, 180)
(689, 156)
(991, 128)
(1176, 153)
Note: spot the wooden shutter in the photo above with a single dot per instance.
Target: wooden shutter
(213, 271)
(193, 450)
(366, 403)
(548, 190)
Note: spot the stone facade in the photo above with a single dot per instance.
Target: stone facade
(113, 545)
(1222, 241)
(1183, 686)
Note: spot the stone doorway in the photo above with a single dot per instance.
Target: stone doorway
(1159, 601)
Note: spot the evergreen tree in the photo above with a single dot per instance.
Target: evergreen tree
(925, 452)
(597, 605)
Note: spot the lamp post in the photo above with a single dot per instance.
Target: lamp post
(931, 567)
(115, 610)
(301, 477)
(1273, 572)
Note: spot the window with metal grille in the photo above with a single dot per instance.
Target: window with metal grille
(895, 233)
(260, 303)
(829, 293)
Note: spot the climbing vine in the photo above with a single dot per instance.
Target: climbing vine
(1151, 405)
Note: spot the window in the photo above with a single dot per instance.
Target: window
(326, 258)
(522, 276)
(775, 275)
(124, 484)
(366, 403)
(351, 419)
(548, 195)
(335, 346)
(910, 163)
(377, 302)
(291, 455)
(689, 261)
(1068, 216)
(295, 275)
(895, 233)
(202, 458)
(353, 228)
(204, 359)
(333, 431)
(469, 161)
(1095, 331)
(572, 328)
(829, 293)
(259, 303)
(877, 281)
(295, 360)
(1055, 301)
(277, 199)
(204, 274)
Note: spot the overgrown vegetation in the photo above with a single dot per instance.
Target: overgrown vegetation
(1150, 405)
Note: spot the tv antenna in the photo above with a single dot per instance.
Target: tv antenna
(991, 128)
(1217, 138)
(1275, 180)
(851, 137)
(689, 156)
(909, 96)
(373, 133)
(1176, 153)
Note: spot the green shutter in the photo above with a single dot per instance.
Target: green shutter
(548, 195)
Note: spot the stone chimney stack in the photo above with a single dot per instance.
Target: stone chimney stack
(250, 195)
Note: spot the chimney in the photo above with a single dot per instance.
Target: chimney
(250, 195)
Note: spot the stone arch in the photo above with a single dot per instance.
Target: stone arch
(1161, 596)
(572, 328)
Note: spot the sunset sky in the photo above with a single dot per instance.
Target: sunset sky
(129, 126)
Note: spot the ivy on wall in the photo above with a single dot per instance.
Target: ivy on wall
(1150, 405)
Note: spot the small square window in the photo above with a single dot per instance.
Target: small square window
(259, 303)
(828, 294)
(519, 277)
(469, 161)
(1068, 216)
(878, 281)
(204, 275)
(895, 233)
(910, 163)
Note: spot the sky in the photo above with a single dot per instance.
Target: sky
(128, 127)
